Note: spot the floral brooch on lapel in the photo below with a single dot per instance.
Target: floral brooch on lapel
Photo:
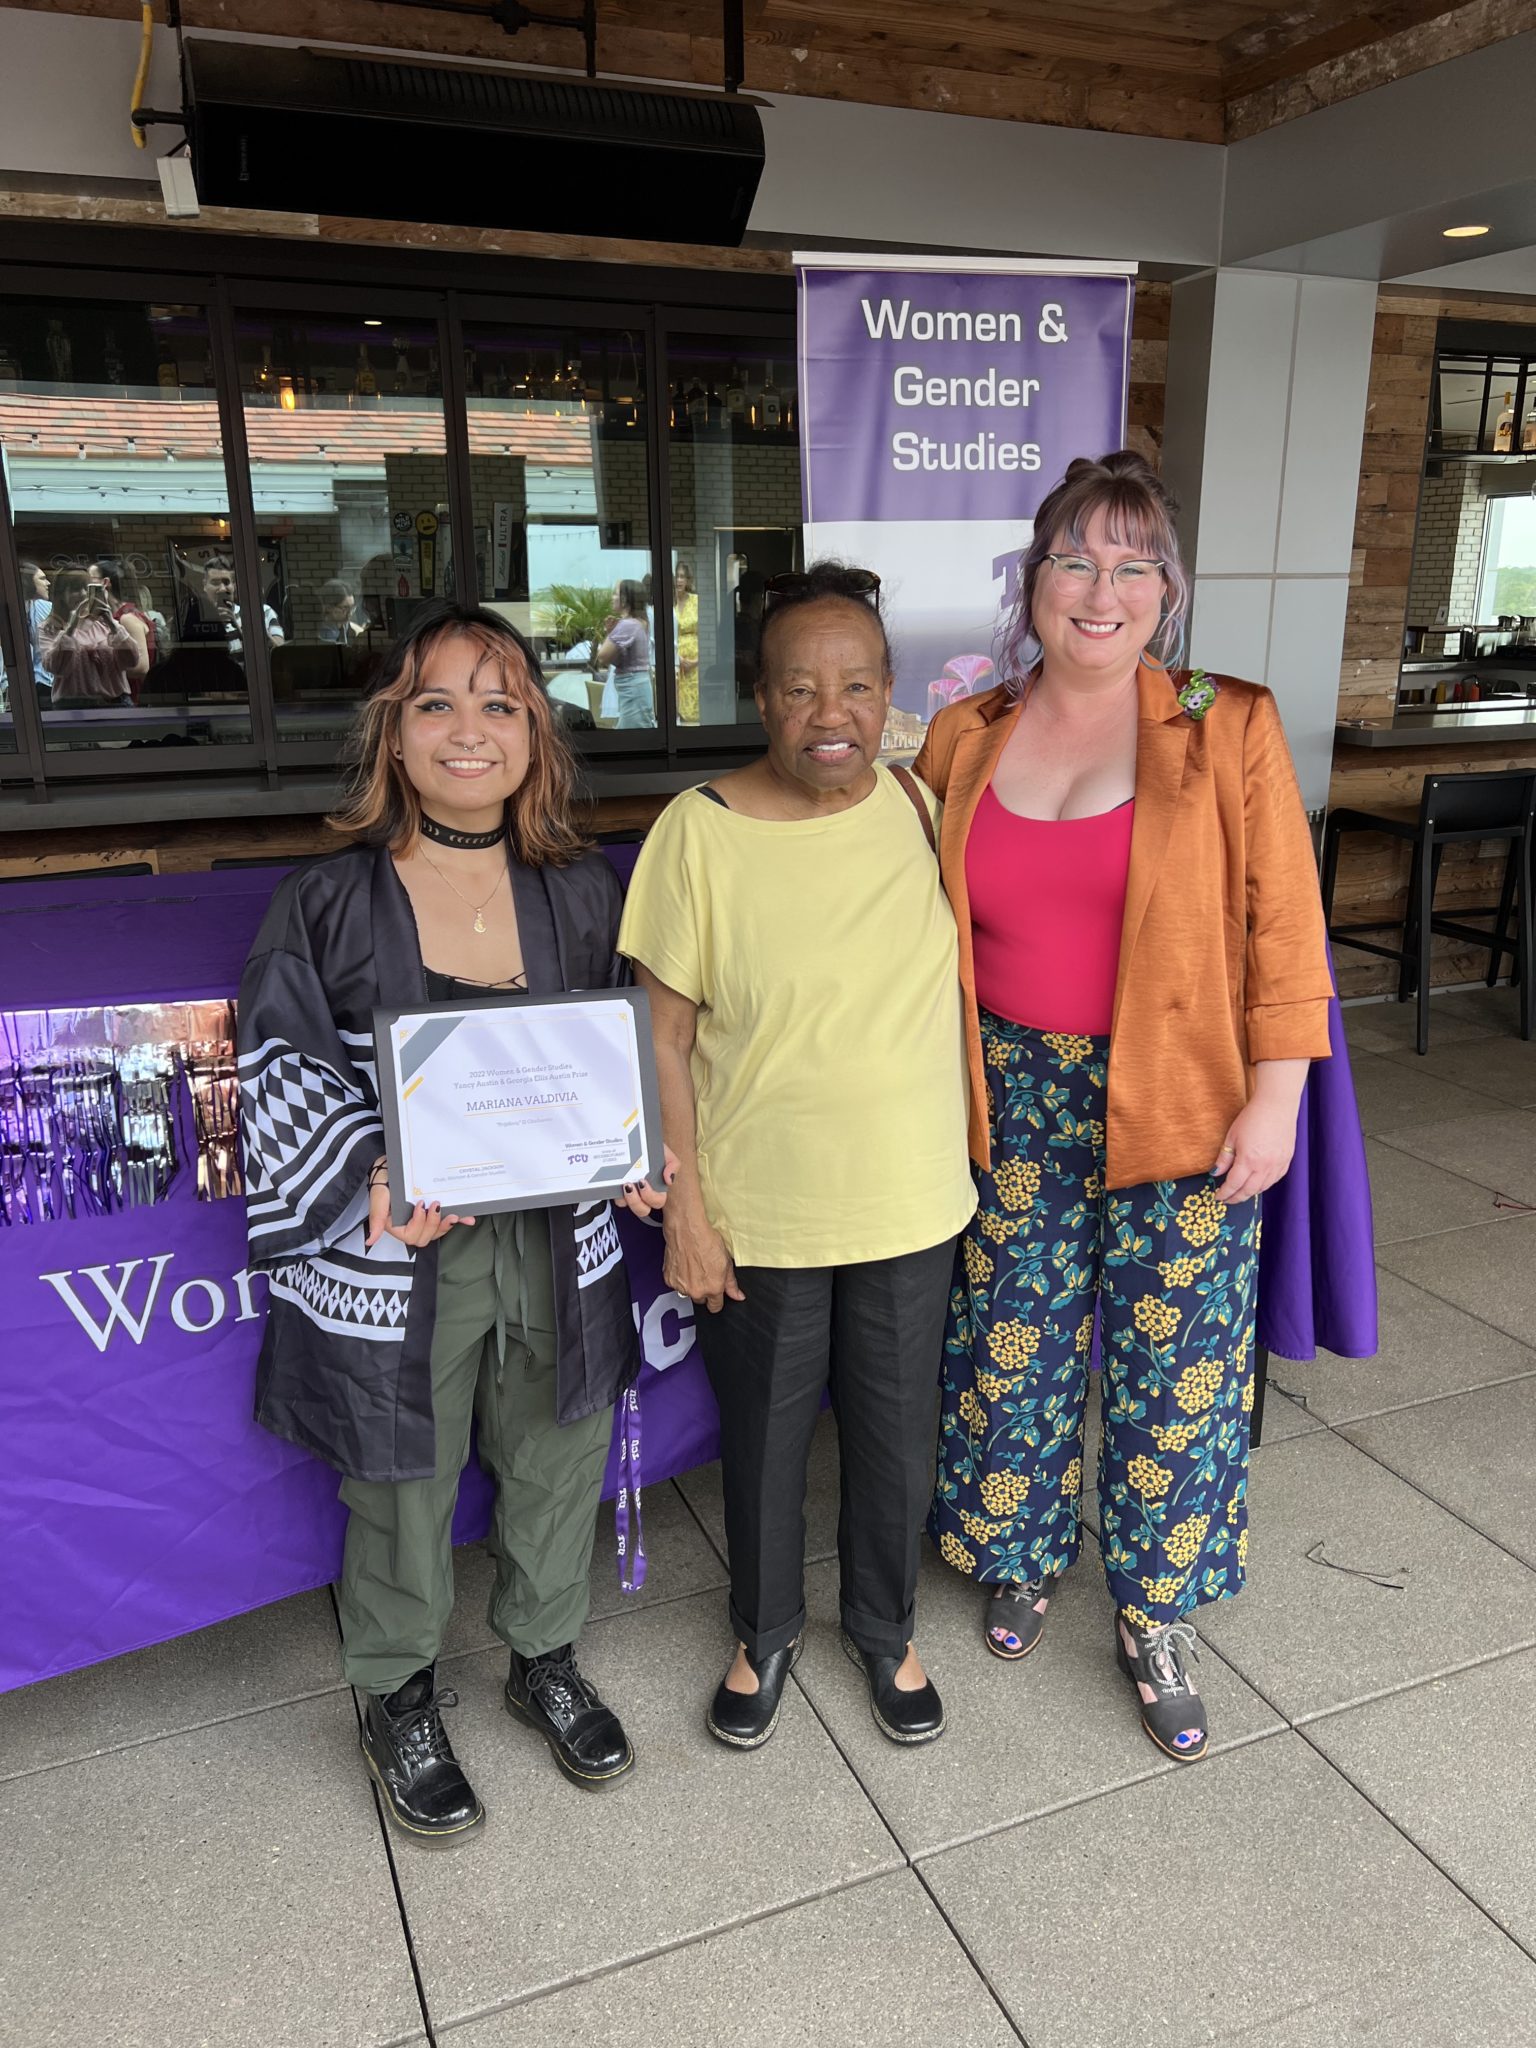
(1197, 695)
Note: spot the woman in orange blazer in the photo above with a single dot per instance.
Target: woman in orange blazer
(1146, 981)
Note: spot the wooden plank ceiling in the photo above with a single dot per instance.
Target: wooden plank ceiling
(1198, 70)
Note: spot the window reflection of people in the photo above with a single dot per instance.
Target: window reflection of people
(87, 653)
(685, 613)
(626, 649)
(751, 590)
(215, 613)
(122, 596)
(34, 581)
(338, 626)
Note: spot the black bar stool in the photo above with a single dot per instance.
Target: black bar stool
(1453, 810)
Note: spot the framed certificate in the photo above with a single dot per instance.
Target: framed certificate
(532, 1103)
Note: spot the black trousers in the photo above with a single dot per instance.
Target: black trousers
(871, 1334)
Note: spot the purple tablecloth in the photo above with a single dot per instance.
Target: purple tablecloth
(141, 1500)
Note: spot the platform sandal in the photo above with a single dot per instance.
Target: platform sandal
(1014, 1626)
(1175, 1720)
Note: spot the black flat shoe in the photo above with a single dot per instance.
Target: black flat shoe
(1175, 1720)
(745, 1720)
(584, 1736)
(406, 1747)
(1013, 1627)
(903, 1716)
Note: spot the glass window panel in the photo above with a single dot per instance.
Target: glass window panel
(1508, 579)
(11, 681)
(1503, 435)
(349, 479)
(121, 508)
(734, 459)
(559, 478)
(1460, 384)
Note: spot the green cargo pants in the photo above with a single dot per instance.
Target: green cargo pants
(493, 1357)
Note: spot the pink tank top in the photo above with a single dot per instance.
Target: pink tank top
(1047, 903)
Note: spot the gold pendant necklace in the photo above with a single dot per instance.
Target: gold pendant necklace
(478, 908)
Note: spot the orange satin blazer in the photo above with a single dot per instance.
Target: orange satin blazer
(1223, 959)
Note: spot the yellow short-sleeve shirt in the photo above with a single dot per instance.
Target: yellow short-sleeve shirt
(828, 1066)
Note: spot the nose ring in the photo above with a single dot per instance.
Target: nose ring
(472, 746)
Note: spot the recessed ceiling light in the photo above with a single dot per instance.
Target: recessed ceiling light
(1449, 231)
(1466, 233)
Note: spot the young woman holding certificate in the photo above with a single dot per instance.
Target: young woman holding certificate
(468, 877)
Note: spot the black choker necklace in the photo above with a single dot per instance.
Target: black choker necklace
(466, 842)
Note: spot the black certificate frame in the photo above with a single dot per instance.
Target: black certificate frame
(401, 1207)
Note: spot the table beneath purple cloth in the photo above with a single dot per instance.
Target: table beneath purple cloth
(142, 1501)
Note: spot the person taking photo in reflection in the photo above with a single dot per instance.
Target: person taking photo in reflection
(1147, 982)
(468, 875)
(788, 923)
(215, 613)
(122, 596)
(87, 653)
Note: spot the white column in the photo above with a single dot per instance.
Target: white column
(1267, 378)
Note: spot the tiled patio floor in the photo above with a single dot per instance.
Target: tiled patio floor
(190, 1851)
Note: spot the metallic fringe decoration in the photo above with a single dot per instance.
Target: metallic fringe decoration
(90, 1110)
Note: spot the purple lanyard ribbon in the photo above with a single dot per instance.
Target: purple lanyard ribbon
(631, 1555)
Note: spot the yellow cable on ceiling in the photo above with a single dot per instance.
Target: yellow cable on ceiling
(141, 76)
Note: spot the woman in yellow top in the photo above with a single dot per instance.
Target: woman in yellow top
(801, 961)
(685, 614)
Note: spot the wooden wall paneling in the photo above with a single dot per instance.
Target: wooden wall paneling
(1184, 71)
(1434, 37)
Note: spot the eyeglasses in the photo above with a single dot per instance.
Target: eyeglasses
(1075, 576)
(795, 582)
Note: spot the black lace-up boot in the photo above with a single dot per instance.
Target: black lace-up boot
(408, 1752)
(548, 1691)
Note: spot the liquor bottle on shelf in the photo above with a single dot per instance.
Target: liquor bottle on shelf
(697, 403)
(431, 379)
(736, 397)
(769, 404)
(1504, 426)
(365, 384)
(112, 358)
(61, 356)
(1528, 431)
(402, 366)
(205, 374)
(167, 375)
(472, 373)
(716, 404)
(266, 376)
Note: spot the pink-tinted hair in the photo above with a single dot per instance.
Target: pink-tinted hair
(1139, 513)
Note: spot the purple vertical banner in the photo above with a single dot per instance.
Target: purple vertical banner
(939, 403)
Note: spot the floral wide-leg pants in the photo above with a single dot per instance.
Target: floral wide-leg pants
(1172, 1271)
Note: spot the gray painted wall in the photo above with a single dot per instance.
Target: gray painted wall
(1267, 383)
